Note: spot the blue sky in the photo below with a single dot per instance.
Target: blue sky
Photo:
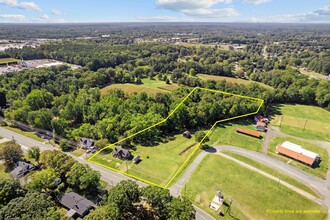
(57, 11)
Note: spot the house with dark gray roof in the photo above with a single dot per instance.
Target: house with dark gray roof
(86, 143)
(121, 153)
(21, 168)
(78, 206)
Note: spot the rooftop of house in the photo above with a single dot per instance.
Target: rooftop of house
(86, 142)
(21, 168)
(76, 203)
(124, 152)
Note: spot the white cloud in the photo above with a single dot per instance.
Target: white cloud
(207, 12)
(198, 8)
(12, 17)
(161, 18)
(9, 2)
(256, 2)
(28, 5)
(323, 11)
(21, 5)
(44, 17)
(56, 12)
(178, 5)
(318, 16)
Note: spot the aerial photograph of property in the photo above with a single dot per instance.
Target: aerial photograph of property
(165, 110)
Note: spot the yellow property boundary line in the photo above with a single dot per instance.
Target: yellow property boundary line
(195, 149)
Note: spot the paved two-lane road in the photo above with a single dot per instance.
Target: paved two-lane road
(109, 176)
(26, 142)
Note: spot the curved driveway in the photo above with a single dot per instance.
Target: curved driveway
(318, 184)
(111, 177)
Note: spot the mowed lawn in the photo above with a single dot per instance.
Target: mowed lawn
(273, 172)
(293, 118)
(232, 80)
(254, 196)
(149, 86)
(225, 134)
(159, 163)
(8, 60)
(3, 174)
(129, 89)
(320, 171)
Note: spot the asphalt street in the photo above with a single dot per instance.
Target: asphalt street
(109, 176)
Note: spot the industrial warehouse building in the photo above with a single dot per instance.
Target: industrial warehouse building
(298, 153)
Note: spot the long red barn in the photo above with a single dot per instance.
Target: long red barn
(248, 132)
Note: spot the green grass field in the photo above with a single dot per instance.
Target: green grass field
(320, 171)
(129, 89)
(271, 171)
(8, 60)
(3, 174)
(158, 164)
(27, 157)
(4, 143)
(232, 80)
(293, 118)
(313, 74)
(149, 86)
(254, 196)
(225, 134)
(78, 152)
(25, 133)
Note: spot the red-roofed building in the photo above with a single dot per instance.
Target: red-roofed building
(298, 153)
(259, 118)
(248, 132)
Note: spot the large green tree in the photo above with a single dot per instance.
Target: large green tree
(11, 152)
(107, 212)
(10, 189)
(43, 180)
(83, 178)
(181, 209)
(32, 206)
(34, 153)
(61, 162)
(157, 198)
(124, 195)
(199, 135)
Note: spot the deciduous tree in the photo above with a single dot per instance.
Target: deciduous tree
(11, 152)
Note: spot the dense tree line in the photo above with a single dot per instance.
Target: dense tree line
(127, 201)
(39, 198)
(293, 87)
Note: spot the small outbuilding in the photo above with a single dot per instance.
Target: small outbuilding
(261, 126)
(121, 153)
(260, 118)
(137, 159)
(248, 132)
(187, 134)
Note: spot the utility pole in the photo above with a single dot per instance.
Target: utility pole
(305, 124)
(126, 167)
(230, 202)
(281, 120)
(278, 183)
